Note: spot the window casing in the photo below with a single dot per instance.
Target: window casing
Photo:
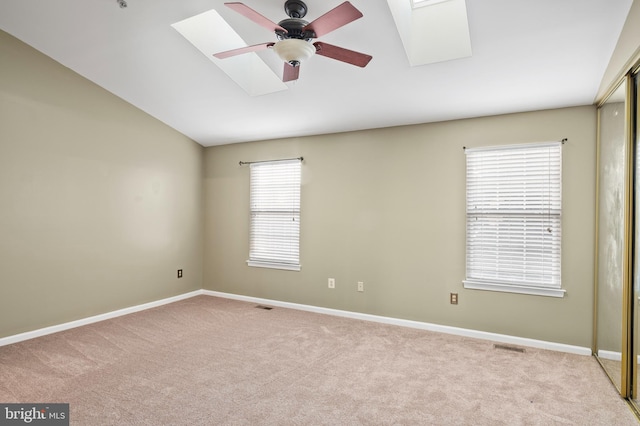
(514, 218)
(274, 240)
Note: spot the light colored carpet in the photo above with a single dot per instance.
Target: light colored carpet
(206, 361)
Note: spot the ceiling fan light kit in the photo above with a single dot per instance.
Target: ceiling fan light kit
(295, 36)
(294, 51)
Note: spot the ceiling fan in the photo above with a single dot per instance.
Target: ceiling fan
(295, 36)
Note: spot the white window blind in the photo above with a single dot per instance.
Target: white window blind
(275, 214)
(514, 212)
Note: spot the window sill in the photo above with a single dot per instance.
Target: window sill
(273, 265)
(513, 288)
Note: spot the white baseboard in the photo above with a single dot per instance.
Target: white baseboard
(614, 356)
(78, 323)
(500, 338)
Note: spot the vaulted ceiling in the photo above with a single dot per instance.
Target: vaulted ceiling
(526, 55)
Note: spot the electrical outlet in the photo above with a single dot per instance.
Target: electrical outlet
(179, 273)
(453, 298)
(332, 283)
(360, 286)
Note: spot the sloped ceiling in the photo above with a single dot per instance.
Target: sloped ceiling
(526, 55)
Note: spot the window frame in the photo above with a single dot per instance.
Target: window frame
(521, 216)
(275, 201)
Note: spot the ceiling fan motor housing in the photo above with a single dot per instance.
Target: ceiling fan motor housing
(295, 29)
(296, 10)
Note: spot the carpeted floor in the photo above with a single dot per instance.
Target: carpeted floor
(211, 361)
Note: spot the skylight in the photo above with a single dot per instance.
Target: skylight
(432, 30)
(210, 34)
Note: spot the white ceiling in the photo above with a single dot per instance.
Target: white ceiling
(526, 55)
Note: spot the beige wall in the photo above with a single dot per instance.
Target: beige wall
(387, 207)
(99, 202)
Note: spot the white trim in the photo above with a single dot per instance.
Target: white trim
(96, 318)
(500, 338)
(284, 266)
(514, 288)
(614, 356)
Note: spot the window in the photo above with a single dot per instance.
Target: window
(275, 215)
(514, 199)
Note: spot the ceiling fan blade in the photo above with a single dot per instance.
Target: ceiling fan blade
(247, 12)
(241, 50)
(335, 18)
(290, 73)
(341, 54)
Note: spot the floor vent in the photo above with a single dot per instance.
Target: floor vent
(509, 348)
(266, 308)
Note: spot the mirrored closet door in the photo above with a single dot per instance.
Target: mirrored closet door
(612, 227)
(617, 297)
(634, 315)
